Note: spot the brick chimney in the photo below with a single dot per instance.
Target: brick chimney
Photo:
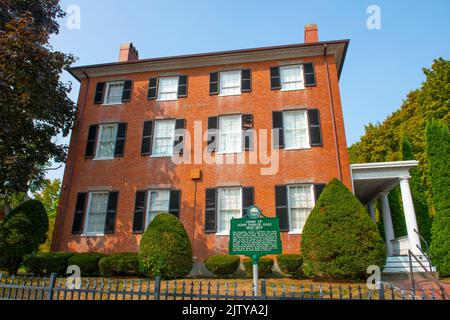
(128, 53)
(311, 33)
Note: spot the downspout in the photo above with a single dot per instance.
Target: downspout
(333, 122)
(58, 230)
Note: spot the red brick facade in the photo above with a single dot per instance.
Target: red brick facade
(134, 172)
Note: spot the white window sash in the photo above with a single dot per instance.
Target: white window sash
(89, 214)
(312, 201)
(107, 92)
(151, 213)
(227, 89)
(221, 229)
(101, 143)
(166, 94)
(224, 136)
(291, 85)
(299, 133)
(167, 141)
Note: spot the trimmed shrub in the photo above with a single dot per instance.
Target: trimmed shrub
(88, 263)
(291, 264)
(339, 239)
(119, 264)
(21, 233)
(223, 265)
(165, 249)
(265, 266)
(47, 263)
(438, 150)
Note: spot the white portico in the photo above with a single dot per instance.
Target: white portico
(374, 181)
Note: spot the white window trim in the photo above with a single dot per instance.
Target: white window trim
(108, 84)
(240, 84)
(218, 135)
(307, 130)
(302, 72)
(158, 88)
(313, 202)
(153, 155)
(225, 233)
(97, 147)
(147, 206)
(86, 220)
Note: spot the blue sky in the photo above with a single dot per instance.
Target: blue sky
(381, 67)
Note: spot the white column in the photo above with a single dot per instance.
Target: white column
(410, 216)
(372, 212)
(387, 222)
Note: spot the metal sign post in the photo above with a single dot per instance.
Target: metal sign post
(255, 236)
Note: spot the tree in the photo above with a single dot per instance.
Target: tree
(34, 103)
(49, 197)
(339, 239)
(438, 151)
(21, 233)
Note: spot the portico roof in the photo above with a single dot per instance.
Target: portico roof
(371, 179)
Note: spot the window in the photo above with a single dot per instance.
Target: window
(301, 202)
(114, 92)
(107, 142)
(168, 88)
(96, 217)
(295, 129)
(230, 206)
(158, 202)
(292, 78)
(164, 138)
(230, 134)
(230, 83)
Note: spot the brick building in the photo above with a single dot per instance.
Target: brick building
(136, 115)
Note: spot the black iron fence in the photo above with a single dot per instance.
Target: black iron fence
(54, 288)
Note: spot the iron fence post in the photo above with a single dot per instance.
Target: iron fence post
(381, 295)
(157, 288)
(263, 289)
(51, 286)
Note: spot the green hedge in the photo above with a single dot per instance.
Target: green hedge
(165, 249)
(88, 263)
(119, 264)
(291, 264)
(21, 233)
(339, 239)
(265, 266)
(47, 263)
(223, 265)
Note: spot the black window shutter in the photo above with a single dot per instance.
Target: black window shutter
(213, 83)
(275, 81)
(277, 122)
(90, 146)
(139, 212)
(211, 211)
(77, 226)
(110, 221)
(309, 74)
(281, 207)
(180, 124)
(248, 199)
(175, 202)
(247, 126)
(318, 189)
(119, 150)
(127, 88)
(315, 132)
(99, 91)
(246, 80)
(182, 86)
(152, 89)
(213, 124)
(147, 137)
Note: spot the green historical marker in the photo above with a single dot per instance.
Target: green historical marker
(255, 236)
